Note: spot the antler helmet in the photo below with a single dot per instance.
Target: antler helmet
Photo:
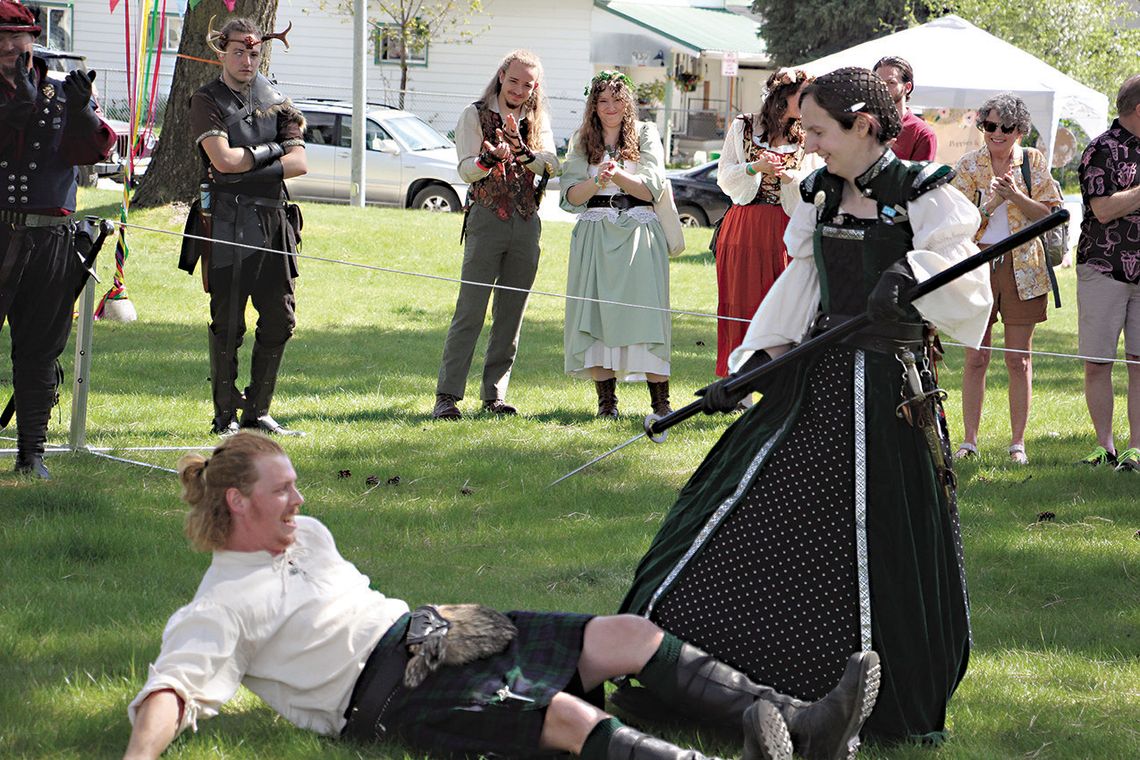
(218, 40)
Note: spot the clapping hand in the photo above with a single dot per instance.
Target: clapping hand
(769, 162)
(494, 154)
(78, 88)
(509, 132)
(17, 110)
(606, 172)
(1004, 186)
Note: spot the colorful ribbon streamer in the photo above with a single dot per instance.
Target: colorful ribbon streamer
(142, 88)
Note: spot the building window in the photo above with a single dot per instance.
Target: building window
(56, 20)
(172, 36)
(171, 33)
(388, 46)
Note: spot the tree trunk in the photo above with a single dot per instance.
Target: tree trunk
(403, 75)
(175, 168)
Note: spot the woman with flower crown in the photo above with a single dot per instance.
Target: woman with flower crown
(760, 169)
(613, 173)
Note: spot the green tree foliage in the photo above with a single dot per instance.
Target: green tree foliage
(1087, 39)
(795, 32)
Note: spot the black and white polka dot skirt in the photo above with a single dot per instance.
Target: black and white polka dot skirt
(776, 592)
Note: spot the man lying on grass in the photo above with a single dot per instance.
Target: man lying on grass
(280, 611)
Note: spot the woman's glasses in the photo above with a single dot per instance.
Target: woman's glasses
(990, 127)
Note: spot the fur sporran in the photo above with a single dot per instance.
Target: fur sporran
(453, 634)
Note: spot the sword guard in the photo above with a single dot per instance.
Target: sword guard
(902, 411)
(648, 426)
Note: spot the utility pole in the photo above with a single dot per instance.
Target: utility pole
(357, 193)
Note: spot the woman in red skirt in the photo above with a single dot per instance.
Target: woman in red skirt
(760, 169)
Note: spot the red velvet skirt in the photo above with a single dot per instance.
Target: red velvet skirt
(750, 255)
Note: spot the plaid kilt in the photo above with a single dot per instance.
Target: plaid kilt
(458, 710)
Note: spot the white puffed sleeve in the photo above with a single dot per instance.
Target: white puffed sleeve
(787, 311)
(201, 661)
(740, 186)
(944, 224)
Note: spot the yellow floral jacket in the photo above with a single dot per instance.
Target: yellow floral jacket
(974, 173)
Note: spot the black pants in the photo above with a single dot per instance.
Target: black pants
(265, 280)
(39, 273)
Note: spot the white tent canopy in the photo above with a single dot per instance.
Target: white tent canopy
(957, 65)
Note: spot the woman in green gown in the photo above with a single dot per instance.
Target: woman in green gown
(613, 173)
(825, 519)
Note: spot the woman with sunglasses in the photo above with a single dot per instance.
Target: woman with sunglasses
(994, 178)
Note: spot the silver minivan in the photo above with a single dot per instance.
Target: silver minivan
(407, 162)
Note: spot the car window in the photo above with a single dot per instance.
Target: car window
(416, 133)
(710, 175)
(372, 132)
(320, 128)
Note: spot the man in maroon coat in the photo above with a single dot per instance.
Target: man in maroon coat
(47, 128)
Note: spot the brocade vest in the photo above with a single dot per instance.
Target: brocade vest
(508, 187)
(33, 174)
(851, 253)
(769, 191)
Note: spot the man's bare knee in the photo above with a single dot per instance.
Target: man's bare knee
(569, 720)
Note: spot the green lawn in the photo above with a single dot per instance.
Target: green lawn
(94, 562)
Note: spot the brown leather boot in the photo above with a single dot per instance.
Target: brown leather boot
(659, 397)
(607, 398)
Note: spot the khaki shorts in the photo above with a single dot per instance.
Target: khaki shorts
(1105, 308)
(1013, 310)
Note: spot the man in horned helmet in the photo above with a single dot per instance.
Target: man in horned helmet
(249, 138)
(47, 128)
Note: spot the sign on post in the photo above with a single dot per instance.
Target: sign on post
(729, 65)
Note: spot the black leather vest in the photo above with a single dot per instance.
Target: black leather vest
(247, 123)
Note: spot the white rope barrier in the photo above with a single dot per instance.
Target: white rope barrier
(104, 451)
(1053, 354)
(438, 277)
(566, 296)
(92, 452)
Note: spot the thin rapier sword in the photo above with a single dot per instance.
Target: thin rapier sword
(615, 449)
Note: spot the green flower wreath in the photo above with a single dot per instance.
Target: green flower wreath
(608, 76)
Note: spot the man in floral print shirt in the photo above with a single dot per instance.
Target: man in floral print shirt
(1108, 273)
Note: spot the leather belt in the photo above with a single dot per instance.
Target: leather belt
(881, 337)
(382, 675)
(251, 200)
(19, 218)
(618, 201)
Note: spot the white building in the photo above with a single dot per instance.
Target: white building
(648, 39)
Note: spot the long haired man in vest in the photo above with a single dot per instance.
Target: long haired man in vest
(47, 128)
(506, 149)
(249, 138)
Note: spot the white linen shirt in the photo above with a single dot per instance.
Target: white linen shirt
(295, 629)
(944, 224)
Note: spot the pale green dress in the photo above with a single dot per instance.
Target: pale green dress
(618, 257)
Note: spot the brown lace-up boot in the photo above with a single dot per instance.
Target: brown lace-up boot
(607, 398)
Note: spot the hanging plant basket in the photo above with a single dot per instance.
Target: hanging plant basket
(686, 81)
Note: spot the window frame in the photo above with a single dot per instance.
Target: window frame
(381, 43)
(45, 9)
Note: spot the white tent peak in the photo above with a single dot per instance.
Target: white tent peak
(958, 65)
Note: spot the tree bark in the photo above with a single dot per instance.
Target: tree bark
(175, 168)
